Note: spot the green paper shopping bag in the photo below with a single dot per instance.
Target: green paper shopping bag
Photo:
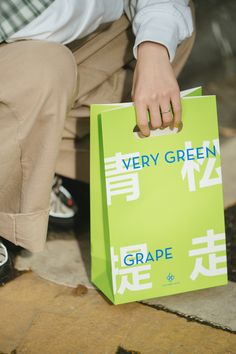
(157, 217)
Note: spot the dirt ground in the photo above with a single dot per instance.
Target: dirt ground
(41, 317)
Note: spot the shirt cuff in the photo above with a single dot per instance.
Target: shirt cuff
(158, 30)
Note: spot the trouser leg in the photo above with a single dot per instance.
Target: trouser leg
(185, 48)
(37, 87)
(104, 77)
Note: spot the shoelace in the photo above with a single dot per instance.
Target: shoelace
(57, 182)
(3, 254)
(57, 208)
(56, 204)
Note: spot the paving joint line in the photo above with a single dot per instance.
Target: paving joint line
(189, 318)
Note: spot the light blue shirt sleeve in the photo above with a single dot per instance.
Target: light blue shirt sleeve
(167, 22)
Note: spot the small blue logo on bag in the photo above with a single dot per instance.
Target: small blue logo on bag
(170, 277)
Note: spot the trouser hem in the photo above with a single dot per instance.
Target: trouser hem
(26, 230)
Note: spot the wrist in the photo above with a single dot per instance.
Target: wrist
(152, 48)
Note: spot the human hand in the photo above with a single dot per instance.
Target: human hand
(155, 88)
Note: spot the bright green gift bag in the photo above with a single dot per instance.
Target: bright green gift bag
(157, 217)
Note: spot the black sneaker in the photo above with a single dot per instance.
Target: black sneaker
(63, 208)
(6, 266)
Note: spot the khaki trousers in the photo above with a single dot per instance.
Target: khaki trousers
(45, 93)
